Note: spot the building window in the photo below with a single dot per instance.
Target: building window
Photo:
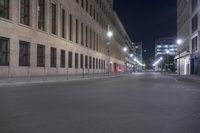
(40, 55)
(53, 57)
(82, 3)
(82, 40)
(97, 17)
(90, 62)
(24, 53)
(94, 41)
(63, 22)
(41, 14)
(194, 44)
(94, 14)
(194, 4)
(53, 18)
(25, 12)
(76, 60)
(70, 28)
(104, 64)
(86, 36)
(195, 23)
(97, 63)
(77, 31)
(87, 8)
(93, 63)
(91, 10)
(86, 62)
(101, 64)
(97, 42)
(62, 58)
(4, 9)
(81, 61)
(91, 38)
(70, 57)
(4, 51)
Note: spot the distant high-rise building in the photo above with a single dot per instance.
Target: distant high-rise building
(165, 48)
(138, 51)
(164, 45)
(139, 54)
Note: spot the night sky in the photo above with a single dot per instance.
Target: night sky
(147, 20)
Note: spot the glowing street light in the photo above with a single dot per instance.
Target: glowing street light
(179, 41)
(158, 61)
(138, 62)
(125, 49)
(109, 34)
(167, 51)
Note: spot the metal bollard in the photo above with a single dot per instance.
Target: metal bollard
(67, 73)
(76, 74)
(9, 74)
(29, 73)
(88, 73)
(44, 77)
(83, 74)
(56, 73)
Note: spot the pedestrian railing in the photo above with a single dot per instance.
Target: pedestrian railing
(46, 77)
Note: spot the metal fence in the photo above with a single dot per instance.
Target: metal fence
(45, 77)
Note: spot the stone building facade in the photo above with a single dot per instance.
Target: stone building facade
(59, 36)
(183, 31)
(195, 36)
(188, 56)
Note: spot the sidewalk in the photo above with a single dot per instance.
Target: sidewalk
(188, 77)
(30, 80)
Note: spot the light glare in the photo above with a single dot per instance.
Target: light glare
(179, 41)
(109, 34)
(125, 49)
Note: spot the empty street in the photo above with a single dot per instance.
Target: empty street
(137, 103)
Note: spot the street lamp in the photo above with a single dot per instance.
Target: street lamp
(125, 49)
(168, 63)
(131, 55)
(109, 35)
(179, 42)
(157, 62)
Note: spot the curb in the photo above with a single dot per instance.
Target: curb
(53, 82)
(187, 78)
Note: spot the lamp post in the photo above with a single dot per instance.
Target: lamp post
(168, 52)
(109, 35)
(179, 42)
(125, 49)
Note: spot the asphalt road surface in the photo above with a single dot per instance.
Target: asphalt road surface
(139, 103)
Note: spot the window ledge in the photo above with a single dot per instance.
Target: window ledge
(26, 26)
(6, 20)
